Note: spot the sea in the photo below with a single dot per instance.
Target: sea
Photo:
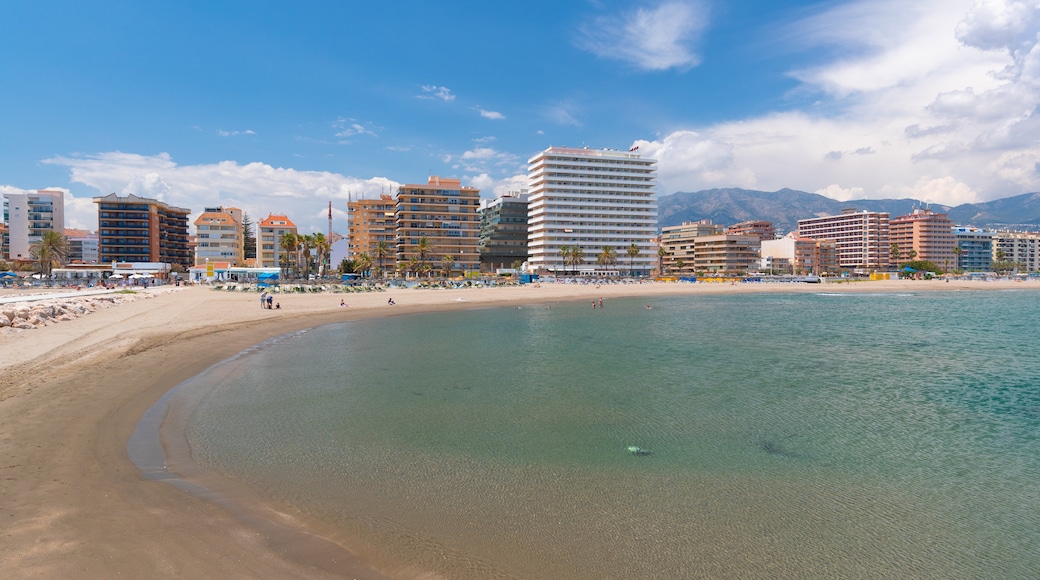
(747, 435)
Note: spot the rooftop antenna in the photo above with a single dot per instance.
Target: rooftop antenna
(330, 219)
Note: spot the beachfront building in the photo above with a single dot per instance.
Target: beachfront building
(928, 234)
(1021, 248)
(434, 221)
(793, 254)
(3, 241)
(678, 244)
(726, 254)
(590, 199)
(761, 229)
(219, 235)
(369, 223)
(83, 246)
(270, 251)
(28, 215)
(861, 237)
(137, 229)
(975, 249)
(503, 231)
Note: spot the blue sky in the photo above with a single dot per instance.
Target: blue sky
(283, 107)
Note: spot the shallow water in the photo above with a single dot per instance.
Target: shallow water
(802, 434)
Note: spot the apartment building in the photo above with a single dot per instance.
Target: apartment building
(371, 221)
(762, 230)
(83, 246)
(1022, 248)
(976, 249)
(269, 241)
(803, 256)
(28, 215)
(138, 229)
(726, 254)
(590, 199)
(220, 236)
(861, 237)
(444, 212)
(678, 244)
(928, 234)
(503, 231)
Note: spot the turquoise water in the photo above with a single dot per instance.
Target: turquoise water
(819, 434)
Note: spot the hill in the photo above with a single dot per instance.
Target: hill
(785, 207)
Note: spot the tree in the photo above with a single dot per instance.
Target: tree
(382, 251)
(362, 264)
(322, 250)
(911, 255)
(679, 264)
(248, 237)
(633, 251)
(607, 257)
(52, 248)
(577, 256)
(661, 253)
(290, 244)
(957, 251)
(893, 252)
(422, 251)
(447, 265)
(565, 255)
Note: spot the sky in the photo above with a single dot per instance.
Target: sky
(282, 107)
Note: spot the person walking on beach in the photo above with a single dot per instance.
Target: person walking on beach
(263, 299)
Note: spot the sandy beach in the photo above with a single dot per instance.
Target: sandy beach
(72, 504)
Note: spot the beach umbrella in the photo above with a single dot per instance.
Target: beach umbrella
(8, 275)
(116, 276)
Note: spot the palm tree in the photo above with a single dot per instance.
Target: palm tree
(422, 251)
(893, 253)
(661, 253)
(577, 256)
(447, 265)
(382, 251)
(362, 263)
(52, 248)
(607, 257)
(633, 251)
(322, 249)
(565, 255)
(307, 243)
(288, 243)
(957, 251)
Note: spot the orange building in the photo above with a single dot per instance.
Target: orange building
(762, 230)
(930, 236)
(371, 222)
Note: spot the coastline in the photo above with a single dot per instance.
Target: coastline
(72, 394)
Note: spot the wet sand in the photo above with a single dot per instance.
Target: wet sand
(72, 504)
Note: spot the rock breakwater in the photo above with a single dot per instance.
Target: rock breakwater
(19, 316)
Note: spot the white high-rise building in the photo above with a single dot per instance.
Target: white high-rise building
(30, 214)
(591, 199)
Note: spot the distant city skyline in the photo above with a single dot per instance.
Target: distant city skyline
(280, 109)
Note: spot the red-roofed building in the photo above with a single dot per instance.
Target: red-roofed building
(269, 248)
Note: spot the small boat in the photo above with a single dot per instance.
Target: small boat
(639, 450)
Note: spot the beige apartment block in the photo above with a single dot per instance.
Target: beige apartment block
(220, 236)
(444, 212)
(269, 241)
(862, 237)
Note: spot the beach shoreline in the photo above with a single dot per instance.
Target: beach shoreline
(72, 394)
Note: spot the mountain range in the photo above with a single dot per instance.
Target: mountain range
(785, 207)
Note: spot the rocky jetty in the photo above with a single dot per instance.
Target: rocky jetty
(19, 316)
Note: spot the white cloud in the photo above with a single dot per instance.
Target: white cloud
(435, 92)
(346, 128)
(494, 115)
(223, 133)
(658, 38)
(835, 191)
(938, 98)
(257, 188)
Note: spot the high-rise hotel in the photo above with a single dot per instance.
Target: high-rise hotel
(590, 199)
